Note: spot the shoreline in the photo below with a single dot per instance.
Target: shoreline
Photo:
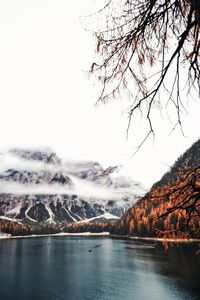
(155, 239)
(84, 234)
(103, 234)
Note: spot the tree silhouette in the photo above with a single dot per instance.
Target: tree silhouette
(145, 49)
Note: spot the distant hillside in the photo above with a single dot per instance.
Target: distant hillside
(172, 206)
(188, 160)
(15, 228)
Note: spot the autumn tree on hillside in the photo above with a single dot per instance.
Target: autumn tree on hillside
(149, 49)
(183, 202)
(168, 211)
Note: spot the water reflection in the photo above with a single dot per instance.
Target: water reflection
(177, 268)
(96, 268)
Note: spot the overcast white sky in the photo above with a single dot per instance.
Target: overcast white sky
(47, 99)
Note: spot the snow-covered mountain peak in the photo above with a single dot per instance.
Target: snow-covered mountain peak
(43, 155)
(38, 186)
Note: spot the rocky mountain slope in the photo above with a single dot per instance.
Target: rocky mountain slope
(36, 186)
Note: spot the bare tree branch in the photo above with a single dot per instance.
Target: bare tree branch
(143, 43)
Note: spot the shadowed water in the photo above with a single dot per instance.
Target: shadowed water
(96, 268)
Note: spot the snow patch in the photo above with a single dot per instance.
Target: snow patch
(10, 219)
(67, 211)
(14, 211)
(26, 214)
(50, 219)
(106, 216)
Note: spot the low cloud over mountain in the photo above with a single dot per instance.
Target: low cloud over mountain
(37, 185)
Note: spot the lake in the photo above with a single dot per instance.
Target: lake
(89, 268)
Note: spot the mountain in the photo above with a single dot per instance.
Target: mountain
(46, 155)
(188, 160)
(34, 177)
(38, 187)
(172, 207)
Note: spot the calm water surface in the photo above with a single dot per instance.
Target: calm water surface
(95, 268)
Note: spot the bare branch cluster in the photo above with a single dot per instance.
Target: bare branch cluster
(144, 45)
